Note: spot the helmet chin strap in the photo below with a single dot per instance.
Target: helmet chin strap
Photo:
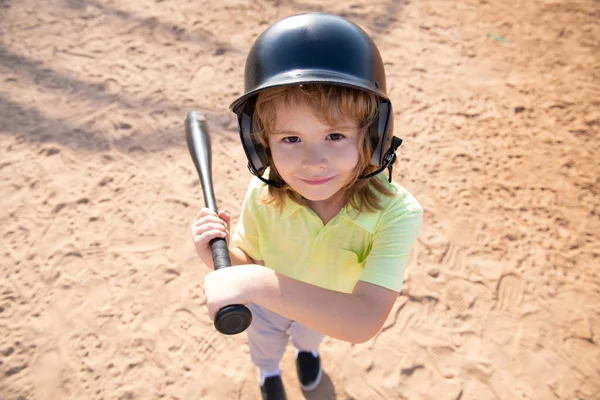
(388, 159)
(259, 176)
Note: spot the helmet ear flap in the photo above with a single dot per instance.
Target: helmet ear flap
(381, 132)
(258, 160)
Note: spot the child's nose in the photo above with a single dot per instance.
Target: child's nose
(314, 158)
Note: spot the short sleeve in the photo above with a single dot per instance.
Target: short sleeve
(393, 240)
(246, 236)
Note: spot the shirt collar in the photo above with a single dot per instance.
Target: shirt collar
(290, 207)
(366, 220)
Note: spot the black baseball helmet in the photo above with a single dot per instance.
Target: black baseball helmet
(315, 48)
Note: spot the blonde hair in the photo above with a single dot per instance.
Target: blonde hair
(330, 103)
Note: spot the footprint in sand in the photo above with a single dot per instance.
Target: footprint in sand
(191, 331)
(459, 295)
(477, 384)
(501, 323)
(511, 289)
(445, 359)
(454, 259)
(169, 343)
(408, 354)
(583, 357)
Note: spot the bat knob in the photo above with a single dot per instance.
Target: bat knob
(233, 319)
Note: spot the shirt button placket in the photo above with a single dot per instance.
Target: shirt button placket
(320, 235)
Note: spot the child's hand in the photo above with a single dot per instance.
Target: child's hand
(206, 227)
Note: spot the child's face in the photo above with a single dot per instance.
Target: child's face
(314, 159)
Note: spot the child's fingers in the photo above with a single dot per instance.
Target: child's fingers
(210, 230)
(224, 215)
(220, 226)
(205, 237)
(204, 212)
(209, 219)
(209, 225)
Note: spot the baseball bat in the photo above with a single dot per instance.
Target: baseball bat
(234, 318)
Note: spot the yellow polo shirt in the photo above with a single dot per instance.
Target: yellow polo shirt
(371, 247)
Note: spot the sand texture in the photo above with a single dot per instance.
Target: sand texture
(498, 102)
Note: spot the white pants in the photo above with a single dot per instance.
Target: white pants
(269, 334)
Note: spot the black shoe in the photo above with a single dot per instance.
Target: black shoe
(272, 389)
(309, 370)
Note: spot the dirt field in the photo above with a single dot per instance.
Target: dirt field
(498, 102)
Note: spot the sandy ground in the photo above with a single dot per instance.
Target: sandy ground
(100, 291)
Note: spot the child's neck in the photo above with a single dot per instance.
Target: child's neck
(327, 209)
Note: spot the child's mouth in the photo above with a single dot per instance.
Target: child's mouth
(317, 181)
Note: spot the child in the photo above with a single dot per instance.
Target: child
(324, 236)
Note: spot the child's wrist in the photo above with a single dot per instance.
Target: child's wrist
(208, 262)
(259, 282)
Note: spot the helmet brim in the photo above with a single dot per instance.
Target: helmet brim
(306, 77)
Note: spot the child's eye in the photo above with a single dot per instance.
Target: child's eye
(335, 136)
(291, 139)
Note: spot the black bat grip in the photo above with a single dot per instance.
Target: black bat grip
(220, 253)
(235, 318)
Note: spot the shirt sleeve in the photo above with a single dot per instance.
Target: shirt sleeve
(246, 234)
(393, 240)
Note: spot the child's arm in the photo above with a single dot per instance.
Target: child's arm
(239, 257)
(354, 318)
